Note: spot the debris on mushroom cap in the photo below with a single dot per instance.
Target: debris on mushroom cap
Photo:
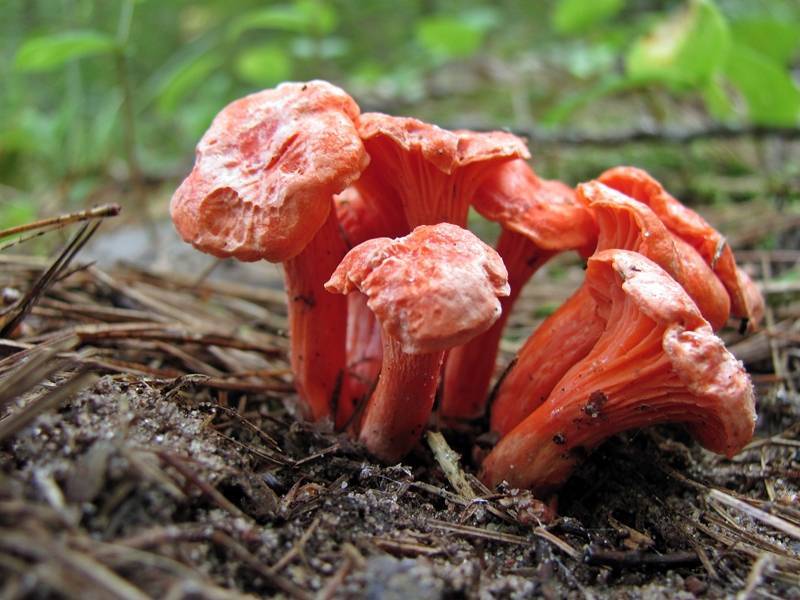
(266, 169)
(692, 228)
(432, 289)
(546, 212)
(657, 361)
(681, 261)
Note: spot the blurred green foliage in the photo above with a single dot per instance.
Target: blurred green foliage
(99, 90)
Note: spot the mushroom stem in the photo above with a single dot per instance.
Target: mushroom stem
(318, 324)
(559, 342)
(399, 408)
(470, 367)
(364, 358)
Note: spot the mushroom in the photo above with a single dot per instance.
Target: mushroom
(419, 174)
(746, 301)
(434, 172)
(262, 188)
(539, 219)
(657, 361)
(569, 334)
(431, 290)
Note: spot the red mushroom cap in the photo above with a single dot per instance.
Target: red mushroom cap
(654, 240)
(446, 150)
(433, 171)
(692, 228)
(548, 213)
(432, 289)
(266, 169)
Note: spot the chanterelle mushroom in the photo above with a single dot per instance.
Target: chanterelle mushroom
(657, 361)
(746, 300)
(262, 188)
(570, 333)
(433, 171)
(431, 290)
(539, 218)
(419, 174)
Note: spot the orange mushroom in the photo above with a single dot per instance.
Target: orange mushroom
(419, 174)
(430, 290)
(262, 188)
(539, 218)
(434, 172)
(746, 301)
(570, 333)
(657, 361)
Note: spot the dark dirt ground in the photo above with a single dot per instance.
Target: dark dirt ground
(147, 451)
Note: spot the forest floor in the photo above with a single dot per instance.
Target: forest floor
(148, 449)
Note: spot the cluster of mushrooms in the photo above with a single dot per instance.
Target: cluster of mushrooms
(393, 303)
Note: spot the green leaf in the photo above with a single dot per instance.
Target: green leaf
(776, 39)
(49, 52)
(185, 79)
(716, 99)
(304, 16)
(685, 49)
(450, 37)
(264, 65)
(575, 16)
(772, 96)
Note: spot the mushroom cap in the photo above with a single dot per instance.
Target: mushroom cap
(710, 373)
(652, 290)
(649, 236)
(266, 170)
(446, 150)
(547, 212)
(433, 289)
(692, 228)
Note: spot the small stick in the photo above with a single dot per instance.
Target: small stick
(755, 513)
(213, 493)
(336, 579)
(324, 452)
(277, 581)
(615, 558)
(297, 549)
(405, 547)
(756, 576)
(13, 423)
(99, 212)
(541, 532)
(485, 534)
(24, 305)
(448, 460)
